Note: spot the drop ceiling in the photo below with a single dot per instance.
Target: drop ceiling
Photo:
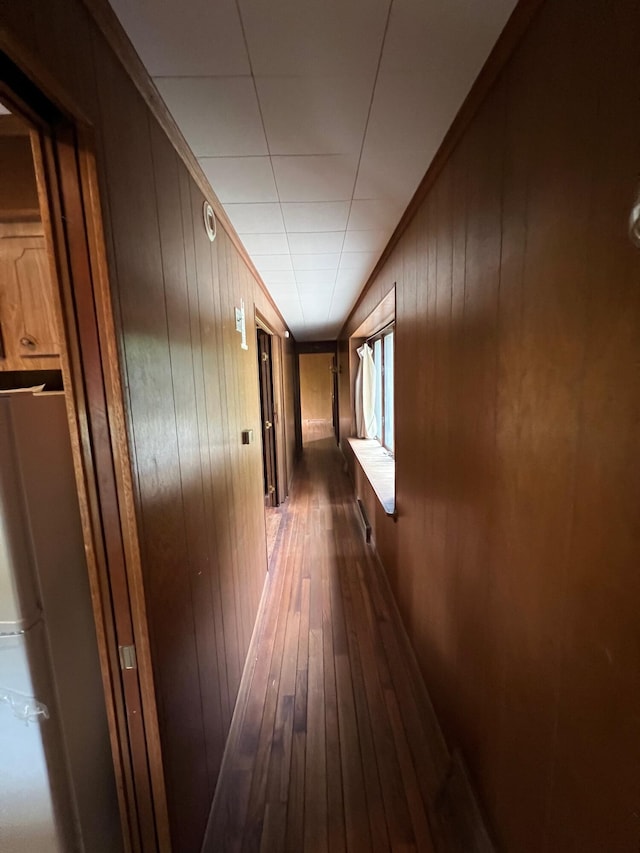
(314, 121)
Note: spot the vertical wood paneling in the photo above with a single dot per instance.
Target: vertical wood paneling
(153, 431)
(600, 696)
(514, 556)
(511, 368)
(406, 429)
(213, 686)
(203, 528)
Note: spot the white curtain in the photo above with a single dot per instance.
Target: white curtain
(365, 394)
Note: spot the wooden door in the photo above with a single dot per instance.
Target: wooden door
(96, 418)
(335, 398)
(316, 395)
(270, 466)
(71, 231)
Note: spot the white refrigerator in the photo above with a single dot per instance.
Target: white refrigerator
(57, 788)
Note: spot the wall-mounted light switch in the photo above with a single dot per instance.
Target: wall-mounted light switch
(241, 325)
(247, 436)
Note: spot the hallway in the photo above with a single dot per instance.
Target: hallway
(329, 748)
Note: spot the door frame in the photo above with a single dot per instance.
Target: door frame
(318, 348)
(268, 419)
(280, 425)
(67, 173)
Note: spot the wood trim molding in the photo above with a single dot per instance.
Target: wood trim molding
(89, 188)
(382, 315)
(12, 125)
(111, 28)
(511, 36)
(86, 297)
(262, 323)
(78, 405)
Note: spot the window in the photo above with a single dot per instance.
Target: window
(373, 400)
(382, 344)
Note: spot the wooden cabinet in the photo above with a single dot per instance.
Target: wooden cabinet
(29, 338)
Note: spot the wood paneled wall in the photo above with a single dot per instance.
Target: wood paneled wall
(515, 556)
(190, 391)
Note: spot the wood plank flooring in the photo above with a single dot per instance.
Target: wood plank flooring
(332, 746)
(273, 518)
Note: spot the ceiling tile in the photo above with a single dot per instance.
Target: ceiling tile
(315, 115)
(315, 216)
(288, 293)
(292, 311)
(314, 37)
(265, 218)
(361, 261)
(218, 116)
(293, 315)
(316, 262)
(349, 280)
(272, 278)
(268, 263)
(412, 111)
(316, 278)
(392, 175)
(372, 214)
(240, 179)
(320, 242)
(333, 327)
(340, 308)
(316, 178)
(315, 319)
(185, 39)
(343, 300)
(335, 322)
(265, 244)
(314, 312)
(286, 300)
(366, 241)
(421, 36)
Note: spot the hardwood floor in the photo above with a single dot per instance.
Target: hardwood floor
(273, 519)
(331, 738)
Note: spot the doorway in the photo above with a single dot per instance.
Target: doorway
(268, 418)
(49, 657)
(317, 396)
(61, 404)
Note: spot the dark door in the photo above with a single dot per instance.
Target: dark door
(265, 367)
(334, 399)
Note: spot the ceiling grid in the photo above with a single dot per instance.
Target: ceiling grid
(314, 121)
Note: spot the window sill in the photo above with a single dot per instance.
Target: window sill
(379, 468)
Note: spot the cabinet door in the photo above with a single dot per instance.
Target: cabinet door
(30, 338)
